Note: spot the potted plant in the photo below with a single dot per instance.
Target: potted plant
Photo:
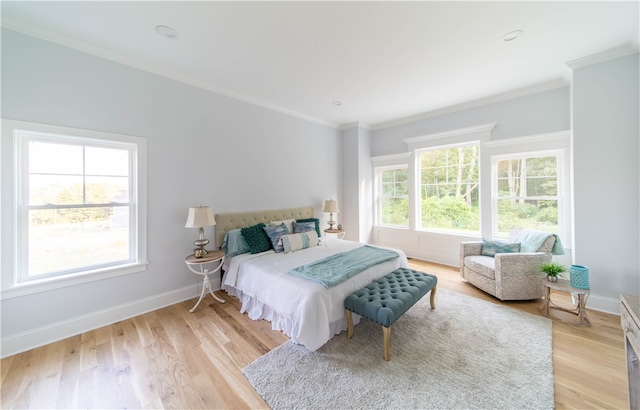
(552, 270)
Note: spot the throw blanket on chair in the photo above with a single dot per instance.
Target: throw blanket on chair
(336, 269)
(531, 240)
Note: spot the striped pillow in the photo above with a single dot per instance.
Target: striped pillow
(297, 241)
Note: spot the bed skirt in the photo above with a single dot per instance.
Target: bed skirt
(257, 310)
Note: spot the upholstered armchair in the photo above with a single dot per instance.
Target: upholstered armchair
(509, 276)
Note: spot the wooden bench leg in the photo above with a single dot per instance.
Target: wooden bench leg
(386, 336)
(432, 298)
(347, 314)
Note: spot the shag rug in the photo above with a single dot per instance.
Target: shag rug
(465, 354)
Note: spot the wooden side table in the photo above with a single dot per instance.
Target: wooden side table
(563, 285)
(200, 266)
(339, 233)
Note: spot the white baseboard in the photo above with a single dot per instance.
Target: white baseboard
(604, 304)
(41, 336)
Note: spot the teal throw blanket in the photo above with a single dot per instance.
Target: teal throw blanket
(531, 240)
(337, 268)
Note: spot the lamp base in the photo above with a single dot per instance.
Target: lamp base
(199, 250)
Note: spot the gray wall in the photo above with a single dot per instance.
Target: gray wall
(357, 184)
(529, 115)
(203, 148)
(606, 158)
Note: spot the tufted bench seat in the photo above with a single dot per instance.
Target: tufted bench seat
(387, 298)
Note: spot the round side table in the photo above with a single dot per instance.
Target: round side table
(205, 266)
(339, 233)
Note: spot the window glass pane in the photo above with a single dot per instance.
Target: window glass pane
(395, 211)
(52, 158)
(107, 161)
(394, 199)
(528, 194)
(449, 189)
(55, 190)
(542, 186)
(67, 239)
(102, 190)
(532, 214)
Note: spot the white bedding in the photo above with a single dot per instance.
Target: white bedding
(307, 312)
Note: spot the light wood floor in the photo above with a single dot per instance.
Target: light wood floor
(170, 358)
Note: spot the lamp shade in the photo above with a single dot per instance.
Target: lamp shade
(199, 217)
(331, 206)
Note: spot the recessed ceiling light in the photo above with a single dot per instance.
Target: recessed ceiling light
(167, 32)
(337, 103)
(512, 35)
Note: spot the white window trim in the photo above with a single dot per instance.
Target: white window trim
(479, 134)
(553, 143)
(558, 153)
(9, 207)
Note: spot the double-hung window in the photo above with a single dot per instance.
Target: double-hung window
(449, 188)
(79, 203)
(393, 195)
(527, 192)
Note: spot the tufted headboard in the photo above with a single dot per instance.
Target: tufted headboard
(236, 220)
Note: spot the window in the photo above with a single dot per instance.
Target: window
(393, 195)
(449, 189)
(79, 200)
(526, 193)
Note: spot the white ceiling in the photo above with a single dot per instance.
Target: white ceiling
(384, 61)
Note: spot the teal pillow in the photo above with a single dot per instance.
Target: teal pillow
(299, 227)
(314, 220)
(234, 243)
(256, 238)
(275, 233)
(490, 248)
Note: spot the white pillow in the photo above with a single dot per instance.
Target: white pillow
(287, 222)
(297, 241)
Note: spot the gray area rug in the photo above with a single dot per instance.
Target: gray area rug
(467, 353)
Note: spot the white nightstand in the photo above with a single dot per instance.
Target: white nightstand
(205, 266)
(339, 233)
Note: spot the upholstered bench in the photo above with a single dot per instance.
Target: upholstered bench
(387, 298)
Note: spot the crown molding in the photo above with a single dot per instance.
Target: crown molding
(391, 159)
(478, 129)
(604, 56)
(79, 45)
(564, 82)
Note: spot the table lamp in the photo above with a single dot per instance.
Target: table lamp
(199, 217)
(331, 206)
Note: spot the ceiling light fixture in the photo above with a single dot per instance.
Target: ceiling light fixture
(167, 32)
(337, 103)
(512, 35)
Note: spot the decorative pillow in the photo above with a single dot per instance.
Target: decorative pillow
(256, 238)
(234, 244)
(288, 222)
(297, 241)
(275, 233)
(314, 220)
(490, 248)
(299, 227)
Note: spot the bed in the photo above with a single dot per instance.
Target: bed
(309, 313)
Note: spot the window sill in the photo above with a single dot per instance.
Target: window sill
(43, 285)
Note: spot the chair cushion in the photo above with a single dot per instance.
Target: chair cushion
(483, 265)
